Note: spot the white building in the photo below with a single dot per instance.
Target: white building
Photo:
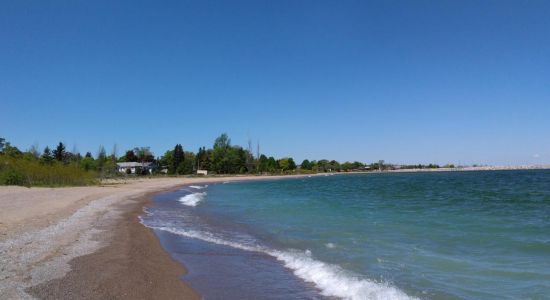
(130, 167)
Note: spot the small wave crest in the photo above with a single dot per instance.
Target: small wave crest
(198, 187)
(147, 211)
(332, 280)
(192, 199)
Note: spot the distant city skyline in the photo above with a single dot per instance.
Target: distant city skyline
(458, 82)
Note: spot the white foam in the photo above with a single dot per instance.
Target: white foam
(330, 245)
(208, 237)
(332, 280)
(192, 199)
(147, 212)
(198, 187)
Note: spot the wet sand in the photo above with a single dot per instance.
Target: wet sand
(132, 266)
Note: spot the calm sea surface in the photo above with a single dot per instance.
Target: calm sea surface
(445, 235)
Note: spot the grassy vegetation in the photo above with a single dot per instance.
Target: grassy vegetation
(27, 172)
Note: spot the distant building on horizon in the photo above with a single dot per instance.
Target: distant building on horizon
(132, 167)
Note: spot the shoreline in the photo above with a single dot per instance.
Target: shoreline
(460, 169)
(58, 243)
(132, 266)
(469, 169)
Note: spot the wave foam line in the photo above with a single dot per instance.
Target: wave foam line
(332, 280)
(198, 187)
(192, 199)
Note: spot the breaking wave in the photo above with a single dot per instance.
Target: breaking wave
(332, 280)
(192, 199)
(198, 187)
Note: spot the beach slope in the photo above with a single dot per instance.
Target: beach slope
(87, 242)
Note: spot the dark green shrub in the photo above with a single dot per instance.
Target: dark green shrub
(12, 177)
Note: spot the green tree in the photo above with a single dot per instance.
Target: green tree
(70, 158)
(381, 165)
(222, 142)
(220, 162)
(144, 154)
(165, 161)
(59, 152)
(12, 151)
(110, 167)
(263, 163)
(357, 165)
(130, 156)
(306, 165)
(323, 165)
(346, 166)
(29, 156)
(334, 166)
(47, 156)
(236, 160)
(7, 149)
(291, 164)
(177, 159)
(188, 164)
(314, 166)
(203, 159)
(88, 163)
(287, 164)
(225, 159)
(101, 158)
(272, 165)
(283, 163)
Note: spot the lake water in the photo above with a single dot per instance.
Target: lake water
(444, 235)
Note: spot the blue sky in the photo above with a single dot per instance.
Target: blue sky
(404, 81)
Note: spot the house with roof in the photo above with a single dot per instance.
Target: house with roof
(133, 167)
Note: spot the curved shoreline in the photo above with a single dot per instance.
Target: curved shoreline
(132, 266)
(87, 241)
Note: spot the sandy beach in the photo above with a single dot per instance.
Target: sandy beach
(87, 242)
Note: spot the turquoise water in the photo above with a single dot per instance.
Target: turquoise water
(452, 235)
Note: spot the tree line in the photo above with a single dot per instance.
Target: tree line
(225, 158)
(35, 167)
(58, 166)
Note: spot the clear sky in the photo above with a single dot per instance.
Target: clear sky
(404, 81)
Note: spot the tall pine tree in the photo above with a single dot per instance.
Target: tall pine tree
(177, 157)
(47, 155)
(201, 159)
(59, 153)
